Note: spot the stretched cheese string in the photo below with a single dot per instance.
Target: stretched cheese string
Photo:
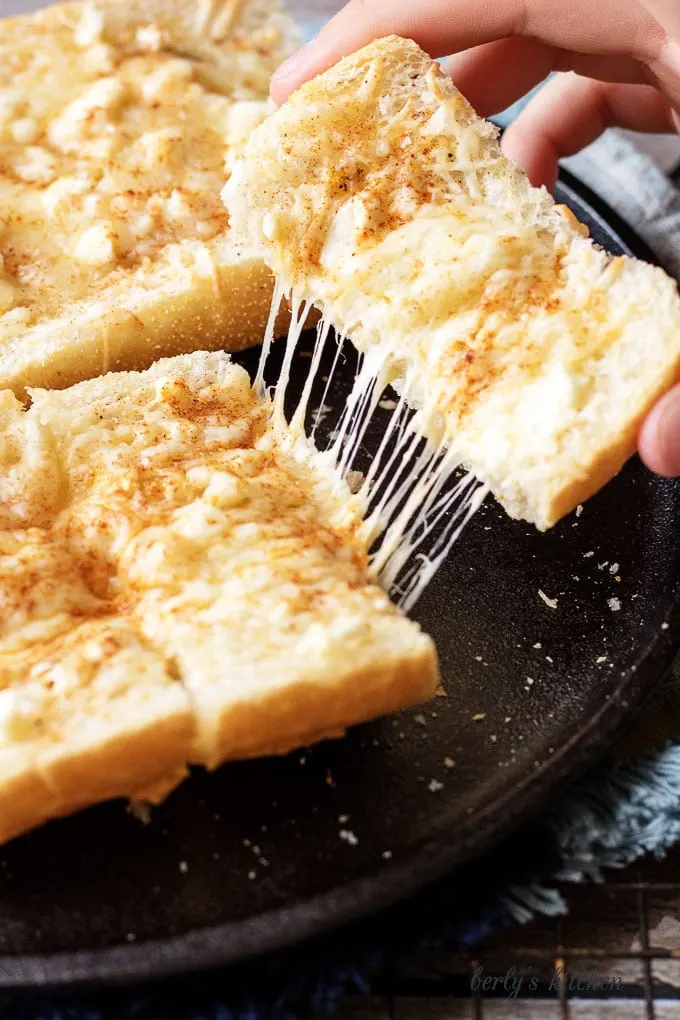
(340, 341)
(366, 393)
(412, 515)
(297, 422)
(299, 310)
(424, 566)
(275, 307)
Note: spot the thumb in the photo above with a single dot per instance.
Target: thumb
(659, 441)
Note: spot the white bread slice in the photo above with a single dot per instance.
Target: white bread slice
(116, 125)
(376, 192)
(86, 706)
(182, 582)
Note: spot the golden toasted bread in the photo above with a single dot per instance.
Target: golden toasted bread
(182, 582)
(376, 192)
(117, 124)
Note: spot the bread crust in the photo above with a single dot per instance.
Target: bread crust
(25, 799)
(225, 311)
(605, 463)
(82, 774)
(285, 719)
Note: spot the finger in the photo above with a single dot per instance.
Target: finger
(449, 26)
(659, 440)
(667, 13)
(570, 112)
(665, 68)
(497, 74)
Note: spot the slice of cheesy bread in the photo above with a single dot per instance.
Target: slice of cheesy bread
(376, 192)
(181, 583)
(116, 119)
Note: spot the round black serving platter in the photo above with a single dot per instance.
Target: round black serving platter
(265, 853)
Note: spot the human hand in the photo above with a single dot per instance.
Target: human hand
(623, 59)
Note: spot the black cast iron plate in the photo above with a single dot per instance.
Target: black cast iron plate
(252, 858)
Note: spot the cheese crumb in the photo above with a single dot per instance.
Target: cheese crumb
(141, 810)
(89, 28)
(348, 836)
(25, 130)
(551, 603)
(96, 246)
(355, 480)
(149, 38)
(614, 605)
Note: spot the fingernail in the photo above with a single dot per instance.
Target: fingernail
(297, 64)
(668, 434)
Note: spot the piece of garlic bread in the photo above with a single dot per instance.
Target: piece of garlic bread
(116, 125)
(183, 582)
(376, 192)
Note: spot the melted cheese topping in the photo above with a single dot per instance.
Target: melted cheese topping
(416, 258)
(113, 141)
(145, 517)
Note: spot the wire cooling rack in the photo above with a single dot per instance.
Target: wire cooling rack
(616, 956)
